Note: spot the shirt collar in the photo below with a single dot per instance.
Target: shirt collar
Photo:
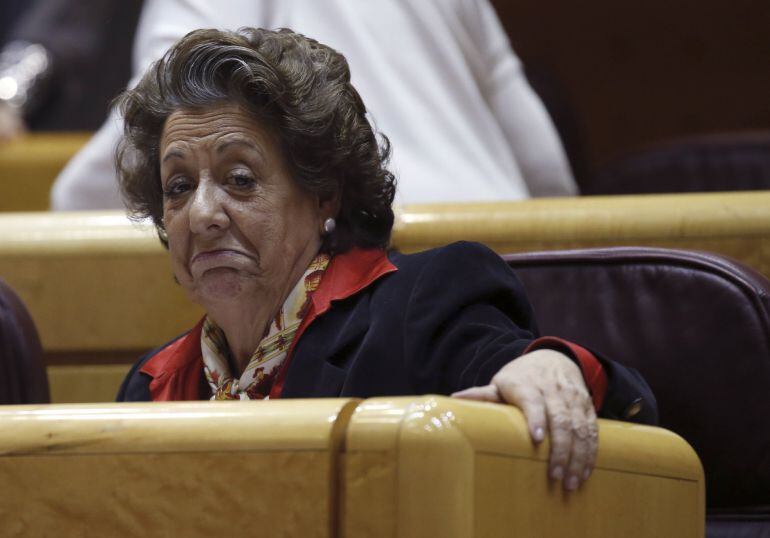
(176, 369)
(349, 273)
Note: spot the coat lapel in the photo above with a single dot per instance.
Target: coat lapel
(321, 359)
(319, 364)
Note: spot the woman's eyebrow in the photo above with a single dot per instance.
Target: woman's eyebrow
(245, 142)
(172, 154)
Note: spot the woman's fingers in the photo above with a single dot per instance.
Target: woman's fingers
(487, 393)
(592, 442)
(549, 389)
(531, 402)
(528, 399)
(560, 431)
(572, 426)
(584, 444)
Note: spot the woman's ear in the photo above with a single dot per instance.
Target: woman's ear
(329, 207)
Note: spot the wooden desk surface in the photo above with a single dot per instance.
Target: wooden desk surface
(384, 467)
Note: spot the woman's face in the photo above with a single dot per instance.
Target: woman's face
(238, 225)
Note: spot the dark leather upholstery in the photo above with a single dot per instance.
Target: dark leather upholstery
(723, 162)
(697, 326)
(22, 373)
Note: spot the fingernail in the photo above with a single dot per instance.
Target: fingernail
(539, 434)
(586, 474)
(557, 473)
(572, 483)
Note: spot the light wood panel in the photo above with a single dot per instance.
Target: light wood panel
(84, 383)
(94, 282)
(735, 224)
(185, 469)
(435, 466)
(395, 467)
(29, 165)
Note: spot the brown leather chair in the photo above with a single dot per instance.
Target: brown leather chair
(22, 372)
(697, 326)
(719, 162)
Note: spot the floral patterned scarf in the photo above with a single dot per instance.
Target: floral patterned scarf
(259, 375)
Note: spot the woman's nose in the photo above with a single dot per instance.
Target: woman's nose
(207, 209)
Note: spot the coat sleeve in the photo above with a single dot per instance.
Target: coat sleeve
(468, 315)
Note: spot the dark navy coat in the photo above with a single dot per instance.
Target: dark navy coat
(447, 319)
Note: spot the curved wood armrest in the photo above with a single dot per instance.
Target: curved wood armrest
(445, 467)
(408, 466)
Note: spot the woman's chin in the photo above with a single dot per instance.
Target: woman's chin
(217, 285)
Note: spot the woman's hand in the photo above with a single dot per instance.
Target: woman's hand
(549, 389)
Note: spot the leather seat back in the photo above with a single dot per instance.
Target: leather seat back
(696, 325)
(22, 372)
(720, 162)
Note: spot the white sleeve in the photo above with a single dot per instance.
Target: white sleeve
(89, 181)
(522, 115)
(164, 22)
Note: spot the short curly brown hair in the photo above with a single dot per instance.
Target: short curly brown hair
(296, 86)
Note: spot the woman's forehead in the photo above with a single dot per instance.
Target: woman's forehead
(213, 126)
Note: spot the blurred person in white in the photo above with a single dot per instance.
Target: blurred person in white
(439, 76)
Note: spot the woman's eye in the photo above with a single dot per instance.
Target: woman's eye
(241, 180)
(177, 187)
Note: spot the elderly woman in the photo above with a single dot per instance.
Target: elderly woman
(252, 154)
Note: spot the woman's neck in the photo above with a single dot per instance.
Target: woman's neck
(244, 324)
(246, 318)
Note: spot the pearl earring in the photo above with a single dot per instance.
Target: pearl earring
(329, 225)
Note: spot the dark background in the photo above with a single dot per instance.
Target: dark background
(635, 73)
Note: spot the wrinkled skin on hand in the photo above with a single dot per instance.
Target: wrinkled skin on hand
(549, 389)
